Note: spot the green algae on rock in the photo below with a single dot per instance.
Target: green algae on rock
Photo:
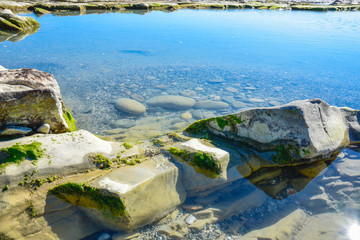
(11, 22)
(70, 120)
(18, 153)
(90, 197)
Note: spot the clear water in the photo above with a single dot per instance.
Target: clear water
(276, 56)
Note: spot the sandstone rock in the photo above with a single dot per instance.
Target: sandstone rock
(30, 98)
(11, 22)
(211, 105)
(311, 170)
(299, 130)
(45, 129)
(171, 102)
(284, 229)
(147, 192)
(196, 176)
(41, 11)
(130, 106)
(353, 121)
(63, 154)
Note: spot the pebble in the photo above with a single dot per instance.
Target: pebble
(192, 207)
(162, 86)
(130, 106)
(208, 114)
(211, 105)
(172, 102)
(45, 129)
(256, 100)
(137, 97)
(89, 108)
(274, 103)
(231, 89)
(104, 236)
(15, 130)
(190, 219)
(216, 80)
(238, 104)
(197, 114)
(125, 123)
(186, 116)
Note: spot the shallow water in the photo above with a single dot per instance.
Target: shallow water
(260, 58)
(274, 56)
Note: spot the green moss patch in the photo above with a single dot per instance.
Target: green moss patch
(18, 153)
(102, 162)
(202, 162)
(90, 197)
(285, 154)
(70, 121)
(198, 127)
(127, 145)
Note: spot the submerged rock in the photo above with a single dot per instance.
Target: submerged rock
(30, 98)
(11, 22)
(130, 106)
(171, 102)
(15, 130)
(299, 130)
(211, 105)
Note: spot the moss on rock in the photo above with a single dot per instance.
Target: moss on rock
(18, 153)
(202, 162)
(102, 162)
(90, 197)
(70, 121)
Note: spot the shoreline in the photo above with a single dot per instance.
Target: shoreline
(43, 7)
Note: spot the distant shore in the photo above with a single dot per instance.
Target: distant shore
(42, 7)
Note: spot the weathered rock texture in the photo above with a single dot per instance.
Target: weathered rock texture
(31, 98)
(11, 22)
(304, 129)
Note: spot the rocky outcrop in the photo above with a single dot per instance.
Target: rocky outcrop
(299, 130)
(11, 22)
(31, 98)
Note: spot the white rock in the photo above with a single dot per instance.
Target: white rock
(45, 129)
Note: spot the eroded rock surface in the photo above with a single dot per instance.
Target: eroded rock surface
(11, 22)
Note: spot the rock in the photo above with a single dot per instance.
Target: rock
(190, 219)
(41, 11)
(141, 194)
(265, 175)
(307, 129)
(175, 230)
(89, 108)
(186, 116)
(283, 229)
(208, 114)
(353, 121)
(63, 154)
(29, 98)
(204, 166)
(231, 89)
(256, 100)
(197, 114)
(45, 129)
(130, 106)
(238, 104)
(11, 22)
(126, 236)
(211, 105)
(171, 102)
(179, 125)
(2, 68)
(104, 236)
(125, 123)
(137, 97)
(15, 130)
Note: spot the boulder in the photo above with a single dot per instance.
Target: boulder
(171, 102)
(130, 106)
(130, 196)
(306, 129)
(11, 22)
(2, 68)
(203, 165)
(31, 98)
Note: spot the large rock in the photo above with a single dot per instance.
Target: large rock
(11, 22)
(130, 106)
(171, 102)
(203, 165)
(133, 196)
(306, 129)
(31, 98)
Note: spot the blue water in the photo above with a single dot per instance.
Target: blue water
(283, 55)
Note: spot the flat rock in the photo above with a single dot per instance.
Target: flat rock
(64, 154)
(125, 123)
(130, 106)
(211, 105)
(11, 22)
(172, 102)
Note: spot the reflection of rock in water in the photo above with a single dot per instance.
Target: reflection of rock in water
(15, 37)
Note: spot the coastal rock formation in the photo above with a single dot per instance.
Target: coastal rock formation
(299, 130)
(31, 98)
(171, 102)
(11, 22)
